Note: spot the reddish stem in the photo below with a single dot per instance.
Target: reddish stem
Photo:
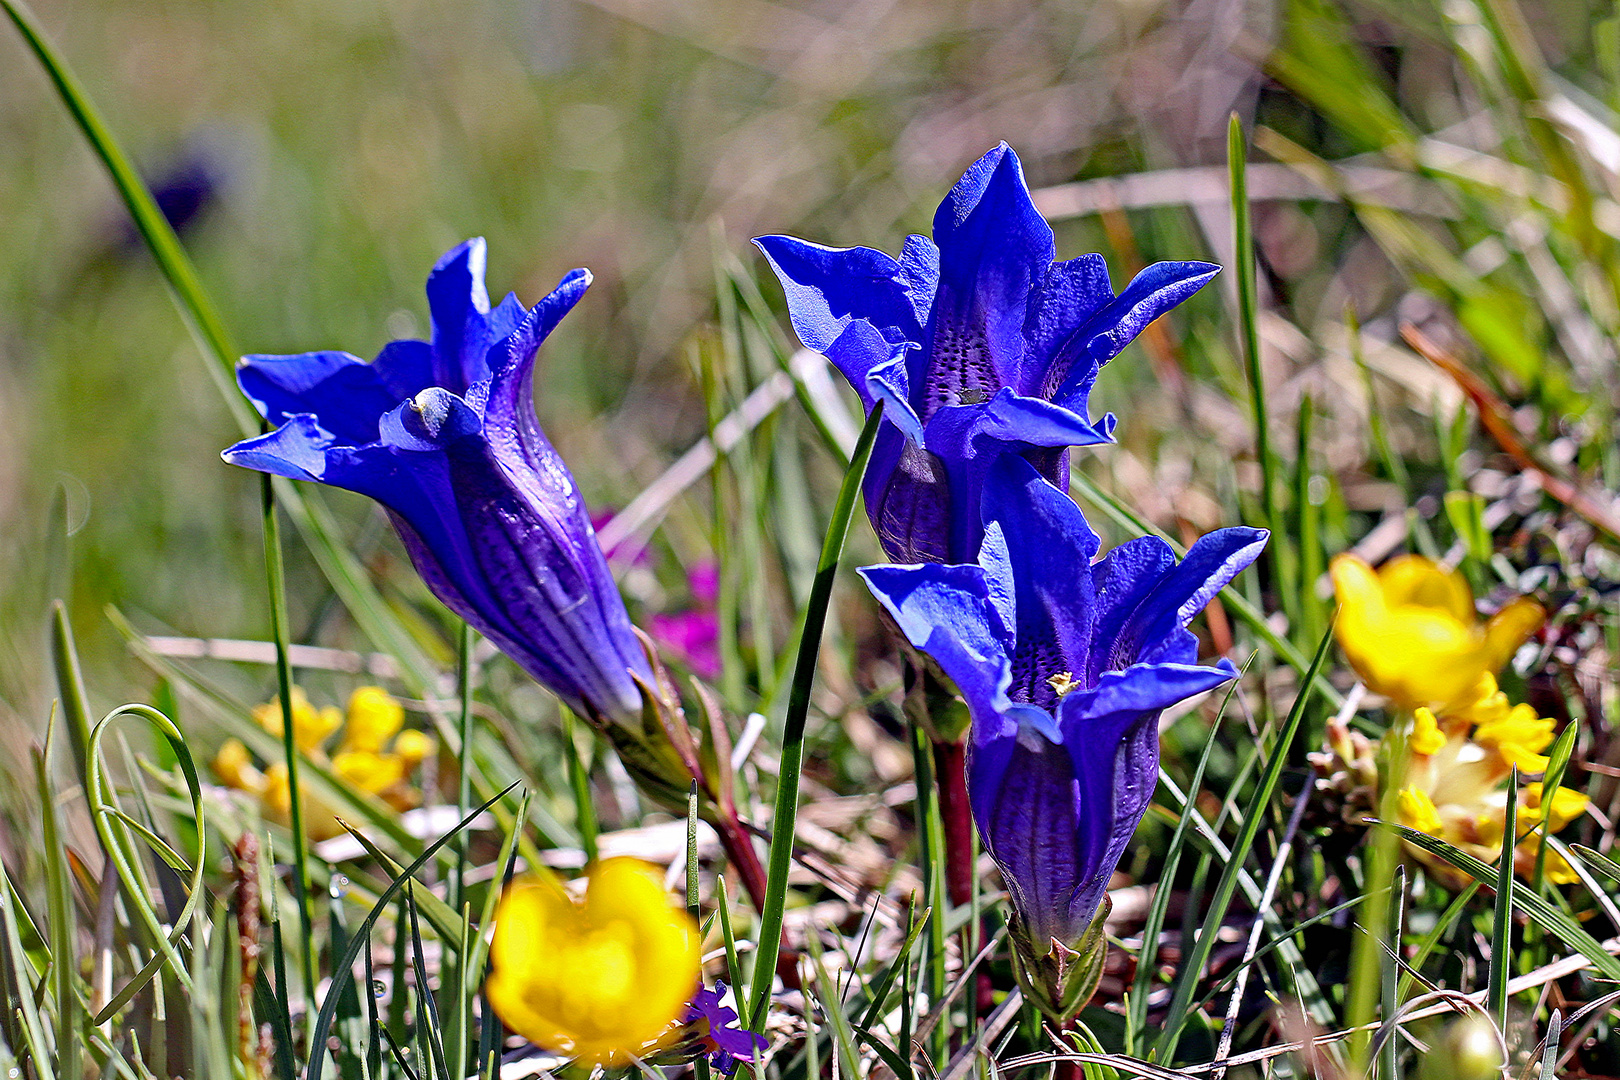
(950, 775)
(739, 847)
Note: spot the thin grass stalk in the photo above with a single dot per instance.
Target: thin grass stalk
(792, 762)
(1254, 815)
(579, 781)
(59, 907)
(1389, 1056)
(931, 865)
(275, 576)
(1147, 958)
(1381, 855)
(1278, 552)
(1496, 993)
(464, 759)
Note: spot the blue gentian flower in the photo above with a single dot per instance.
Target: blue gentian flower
(443, 434)
(977, 343)
(1065, 666)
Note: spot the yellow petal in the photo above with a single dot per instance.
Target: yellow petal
(415, 747)
(1426, 734)
(234, 767)
(1414, 581)
(1418, 811)
(602, 980)
(371, 773)
(374, 718)
(311, 726)
(1510, 628)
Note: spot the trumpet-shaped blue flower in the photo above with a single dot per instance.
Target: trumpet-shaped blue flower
(977, 343)
(443, 434)
(1065, 666)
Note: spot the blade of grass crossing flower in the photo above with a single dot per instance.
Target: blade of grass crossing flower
(1147, 957)
(1549, 916)
(275, 575)
(1254, 815)
(1278, 551)
(792, 762)
(1239, 605)
(60, 923)
(1551, 780)
(1496, 995)
(343, 970)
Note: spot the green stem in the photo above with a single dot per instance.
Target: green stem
(1249, 330)
(463, 758)
(798, 709)
(276, 578)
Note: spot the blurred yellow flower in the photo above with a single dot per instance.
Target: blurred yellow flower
(362, 758)
(1410, 630)
(602, 980)
(1455, 766)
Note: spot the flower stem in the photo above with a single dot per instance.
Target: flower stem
(950, 776)
(798, 710)
(739, 846)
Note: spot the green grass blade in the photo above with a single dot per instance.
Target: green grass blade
(1551, 918)
(343, 971)
(1496, 994)
(1254, 815)
(195, 306)
(1147, 959)
(276, 580)
(60, 924)
(804, 673)
(1279, 553)
(1551, 780)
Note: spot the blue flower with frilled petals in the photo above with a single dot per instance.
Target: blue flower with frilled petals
(442, 433)
(977, 343)
(1065, 666)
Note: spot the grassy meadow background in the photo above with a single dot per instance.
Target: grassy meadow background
(1451, 165)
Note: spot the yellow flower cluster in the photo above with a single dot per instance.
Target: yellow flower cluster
(602, 980)
(373, 755)
(1410, 631)
(1455, 765)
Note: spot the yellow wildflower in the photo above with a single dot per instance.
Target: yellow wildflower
(362, 758)
(1455, 768)
(602, 980)
(311, 726)
(1411, 632)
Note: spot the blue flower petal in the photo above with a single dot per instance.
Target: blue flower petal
(1150, 294)
(994, 248)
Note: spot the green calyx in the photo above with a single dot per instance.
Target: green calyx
(1061, 979)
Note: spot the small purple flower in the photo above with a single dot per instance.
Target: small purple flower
(728, 1043)
(978, 346)
(1065, 666)
(443, 434)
